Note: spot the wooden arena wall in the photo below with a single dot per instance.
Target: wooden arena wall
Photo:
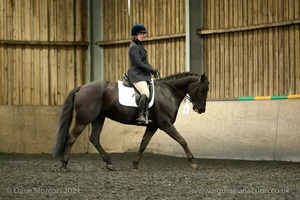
(252, 47)
(43, 50)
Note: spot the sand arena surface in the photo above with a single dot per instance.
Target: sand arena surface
(159, 177)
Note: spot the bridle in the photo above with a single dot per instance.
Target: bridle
(187, 96)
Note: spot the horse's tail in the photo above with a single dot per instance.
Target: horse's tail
(64, 123)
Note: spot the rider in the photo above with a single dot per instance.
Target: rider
(139, 72)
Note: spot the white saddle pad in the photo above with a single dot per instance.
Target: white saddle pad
(127, 95)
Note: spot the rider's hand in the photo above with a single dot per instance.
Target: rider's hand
(154, 72)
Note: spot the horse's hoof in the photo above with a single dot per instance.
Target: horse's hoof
(63, 169)
(195, 166)
(135, 169)
(110, 167)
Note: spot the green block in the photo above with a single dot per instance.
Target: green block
(280, 97)
(251, 98)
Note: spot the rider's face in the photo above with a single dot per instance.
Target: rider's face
(140, 36)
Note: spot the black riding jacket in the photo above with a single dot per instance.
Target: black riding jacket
(139, 69)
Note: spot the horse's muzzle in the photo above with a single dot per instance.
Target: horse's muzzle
(199, 109)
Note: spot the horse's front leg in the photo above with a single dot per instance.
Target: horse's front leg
(145, 141)
(173, 133)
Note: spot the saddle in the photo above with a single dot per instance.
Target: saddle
(129, 96)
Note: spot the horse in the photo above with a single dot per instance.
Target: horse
(97, 100)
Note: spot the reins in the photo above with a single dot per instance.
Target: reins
(185, 95)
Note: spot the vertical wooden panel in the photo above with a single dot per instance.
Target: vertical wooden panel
(297, 47)
(81, 35)
(8, 54)
(270, 55)
(19, 54)
(264, 68)
(2, 52)
(259, 37)
(61, 64)
(244, 49)
(297, 58)
(213, 51)
(280, 15)
(235, 50)
(44, 59)
(26, 59)
(71, 51)
(2, 19)
(240, 49)
(35, 53)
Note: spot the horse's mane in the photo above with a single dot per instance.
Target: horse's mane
(177, 75)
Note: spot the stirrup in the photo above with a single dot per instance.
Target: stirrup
(141, 121)
(147, 119)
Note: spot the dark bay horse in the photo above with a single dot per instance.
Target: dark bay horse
(97, 100)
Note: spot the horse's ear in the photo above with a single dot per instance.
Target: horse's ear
(203, 78)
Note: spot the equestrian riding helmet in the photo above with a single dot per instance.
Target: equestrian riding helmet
(138, 28)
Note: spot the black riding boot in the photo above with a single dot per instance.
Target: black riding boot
(143, 108)
(146, 113)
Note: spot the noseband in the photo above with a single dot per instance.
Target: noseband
(187, 96)
(195, 103)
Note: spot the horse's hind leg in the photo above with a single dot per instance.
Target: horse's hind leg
(72, 136)
(97, 126)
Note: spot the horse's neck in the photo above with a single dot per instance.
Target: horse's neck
(182, 84)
